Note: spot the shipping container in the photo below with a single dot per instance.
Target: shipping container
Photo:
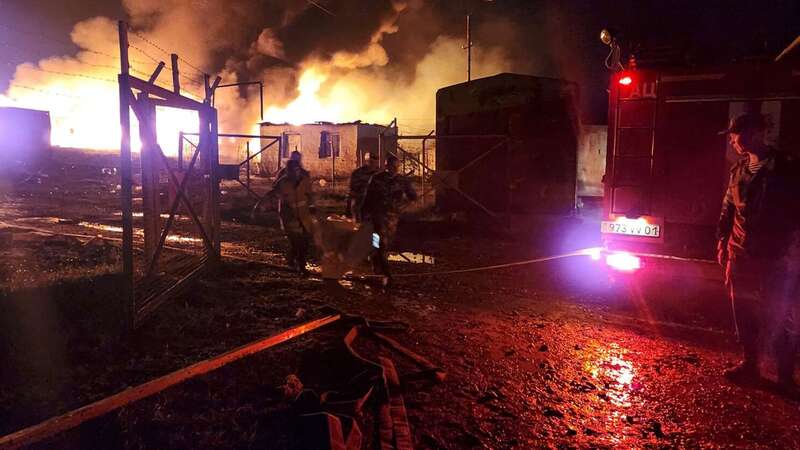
(507, 145)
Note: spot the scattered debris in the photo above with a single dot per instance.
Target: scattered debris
(292, 388)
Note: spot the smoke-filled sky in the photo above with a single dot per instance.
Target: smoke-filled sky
(382, 58)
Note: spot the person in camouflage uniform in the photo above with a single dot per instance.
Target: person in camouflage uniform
(758, 234)
(295, 209)
(386, 195)
(359, 181)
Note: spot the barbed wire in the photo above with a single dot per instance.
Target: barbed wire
(160, 48)
(192, 66)
(166, 66)
(43, 91)
(61, 42)
(69, 44)
(68, 74)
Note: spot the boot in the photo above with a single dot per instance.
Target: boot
(746, 371)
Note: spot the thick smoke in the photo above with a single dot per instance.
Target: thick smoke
(370, 60)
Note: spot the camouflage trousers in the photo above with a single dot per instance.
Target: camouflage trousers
(299, 242)
(766, 309)
(386, 228)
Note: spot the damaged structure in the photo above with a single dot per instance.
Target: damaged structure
(328, 149)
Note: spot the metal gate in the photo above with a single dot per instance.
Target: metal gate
(159, 270)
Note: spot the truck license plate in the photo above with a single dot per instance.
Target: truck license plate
(631, 229)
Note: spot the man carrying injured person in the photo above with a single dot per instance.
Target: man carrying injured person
(387, 194)
(359, 181)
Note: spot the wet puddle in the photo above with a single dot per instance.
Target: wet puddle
(608, 366)
(413, 258)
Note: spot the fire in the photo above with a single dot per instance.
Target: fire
(85, 114)
(308, 106)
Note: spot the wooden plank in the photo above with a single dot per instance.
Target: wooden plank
(156, 72)
(418, 359)
(174, 101)
(36, 433)
(150, 165)
(176, 76)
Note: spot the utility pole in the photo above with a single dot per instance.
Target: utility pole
(468, 47)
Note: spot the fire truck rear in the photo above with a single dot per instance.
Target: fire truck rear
(667, 166)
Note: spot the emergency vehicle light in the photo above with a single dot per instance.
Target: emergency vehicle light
(625, 81)
(624, 262)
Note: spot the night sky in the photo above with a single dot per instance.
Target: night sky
(552, 38)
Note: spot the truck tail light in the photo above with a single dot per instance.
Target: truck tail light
(625, 81)
(623, 261)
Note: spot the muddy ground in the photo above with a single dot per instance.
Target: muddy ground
(543, 355)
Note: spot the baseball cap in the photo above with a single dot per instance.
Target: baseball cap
(746, 121)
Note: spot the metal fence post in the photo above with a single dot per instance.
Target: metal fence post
(247, 147)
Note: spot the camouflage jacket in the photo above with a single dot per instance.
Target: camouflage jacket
(386, 194)
(761, 212)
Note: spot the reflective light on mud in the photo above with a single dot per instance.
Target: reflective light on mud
(139, 232)
(140, 214)
(101, 227)
(596, 253)
(414, 258)
(607, 365)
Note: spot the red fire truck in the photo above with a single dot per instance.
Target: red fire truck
(667, 165)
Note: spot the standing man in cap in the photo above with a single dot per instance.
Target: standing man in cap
(359, 181)
(386, 195)
(757, 245)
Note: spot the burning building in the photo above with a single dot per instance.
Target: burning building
(24, 135)
(327, 148)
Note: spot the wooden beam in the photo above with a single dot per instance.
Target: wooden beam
(36, 433)
(150, 164)
(156, 72)
(171, 104)
(176, 76)
(173, 100)
(126, 176)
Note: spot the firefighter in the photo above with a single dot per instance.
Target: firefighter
(359, 181)
(757, 246)
(295, 209)
(386, 195)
